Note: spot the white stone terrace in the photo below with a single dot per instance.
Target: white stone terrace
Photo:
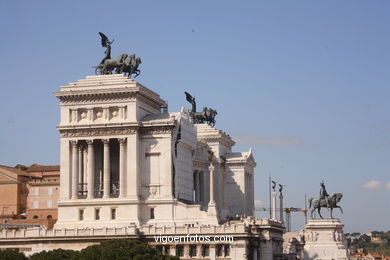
(233, 228)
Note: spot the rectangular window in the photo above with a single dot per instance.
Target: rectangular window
(179, 250)
(36, 204)
(50, 191)
(81, 214)
(192, 250)
(97, 214)
(152, 213)
(219, 250)
(36, 191)
(205, 250)
(113, 213)
(227, 250)
(49, 204)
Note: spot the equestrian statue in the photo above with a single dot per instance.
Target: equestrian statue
(325, 201)
(123, 63)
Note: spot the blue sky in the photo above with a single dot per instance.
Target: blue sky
(304, 83)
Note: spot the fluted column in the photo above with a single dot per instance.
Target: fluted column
(91, 170)
(281, 207)
(198, 177)
(224, 206)
(211, 169)
(75, 169)
(81, 168)
(274, 206)
(253, 194)
(122, 181)
(197, 186)
(85, 163)
(106, 168)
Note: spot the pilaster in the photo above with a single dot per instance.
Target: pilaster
(133, 182)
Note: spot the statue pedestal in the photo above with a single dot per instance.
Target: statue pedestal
(324, 240)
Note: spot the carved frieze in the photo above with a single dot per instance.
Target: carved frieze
(97, 132)
(96, 98)
(157, 130)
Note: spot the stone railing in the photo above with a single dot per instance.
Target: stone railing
(37, 232)
(201, 229)
(67, 232)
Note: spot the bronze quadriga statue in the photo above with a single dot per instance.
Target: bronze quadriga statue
(123, 63)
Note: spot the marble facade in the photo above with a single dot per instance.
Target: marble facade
(125, 159)
(130, 169)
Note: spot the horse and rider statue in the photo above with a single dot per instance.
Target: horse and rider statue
(207, 115)
(123, 63)
(325, 201)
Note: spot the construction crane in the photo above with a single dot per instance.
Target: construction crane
(288, 216)
(288, 212)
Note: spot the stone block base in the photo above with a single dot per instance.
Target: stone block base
(324, 240)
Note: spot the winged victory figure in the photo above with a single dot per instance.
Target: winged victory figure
(106, 43)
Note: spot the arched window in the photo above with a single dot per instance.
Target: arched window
(35, 217)
(49, 217)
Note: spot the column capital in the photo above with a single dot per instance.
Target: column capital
(89, 142)
(74, 143)
(81, 148)
(122, 141)
(106, 141)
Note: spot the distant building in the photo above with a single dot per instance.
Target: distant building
(29, 194)
(13, 192)
(44, 192)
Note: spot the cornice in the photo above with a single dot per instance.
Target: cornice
(217, 139)
(157, 129)
(90, 132)
(93, 97)
(94, 89)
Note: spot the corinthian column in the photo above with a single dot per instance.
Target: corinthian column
(212, 200)
(106, 168)
(91, 170)
(85, 163)
(274, 206)
(122, 191)
(81, 176)
(75, 169)
(281, 207)
(197, 190)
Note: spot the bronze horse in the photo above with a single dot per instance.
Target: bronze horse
(316, 203)
(123, 63)
(206, 116)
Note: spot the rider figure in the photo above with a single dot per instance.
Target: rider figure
(324, 194)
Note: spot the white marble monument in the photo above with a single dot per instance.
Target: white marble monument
(126, 160)
(129, 168)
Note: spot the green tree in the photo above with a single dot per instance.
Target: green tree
(56, 254)
(122, 249)
(11, 255)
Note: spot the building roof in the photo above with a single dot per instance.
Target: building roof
(161, 117)
(241, 157)
(43, 168)
(14, 170)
